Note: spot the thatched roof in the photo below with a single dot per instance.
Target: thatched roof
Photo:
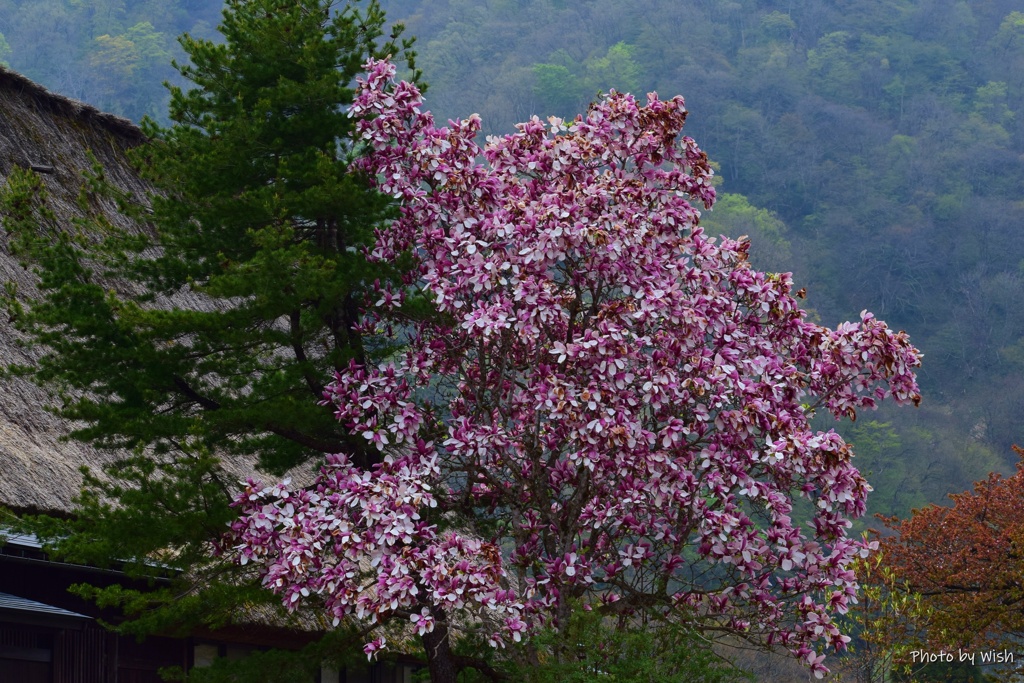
(53, 135)
(43, 129)
(50, 133)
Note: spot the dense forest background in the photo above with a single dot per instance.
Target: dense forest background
(873, 147)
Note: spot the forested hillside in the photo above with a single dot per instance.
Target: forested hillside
(873, 147)
(114, 54)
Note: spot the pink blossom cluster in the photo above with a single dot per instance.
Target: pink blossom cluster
(357, 538)
(624, 402)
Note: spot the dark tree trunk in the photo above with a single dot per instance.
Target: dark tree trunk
(441, 660)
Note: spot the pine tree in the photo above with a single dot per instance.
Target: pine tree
(208, 336)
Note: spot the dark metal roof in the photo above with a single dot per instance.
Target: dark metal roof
(26, 540)
(25, 611)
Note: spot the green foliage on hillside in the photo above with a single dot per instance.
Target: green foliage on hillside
(113, 54)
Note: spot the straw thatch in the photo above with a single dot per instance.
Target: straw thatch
(53, 135)
(50, 134)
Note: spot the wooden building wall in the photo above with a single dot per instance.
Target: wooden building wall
(86, 654)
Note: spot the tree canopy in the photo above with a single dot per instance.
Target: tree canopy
(965, 561)
(608, 407)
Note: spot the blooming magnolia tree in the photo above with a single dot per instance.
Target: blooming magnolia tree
(609, 406)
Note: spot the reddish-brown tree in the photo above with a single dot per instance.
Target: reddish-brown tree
(967, 562)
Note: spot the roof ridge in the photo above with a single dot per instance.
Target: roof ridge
(69, 107)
